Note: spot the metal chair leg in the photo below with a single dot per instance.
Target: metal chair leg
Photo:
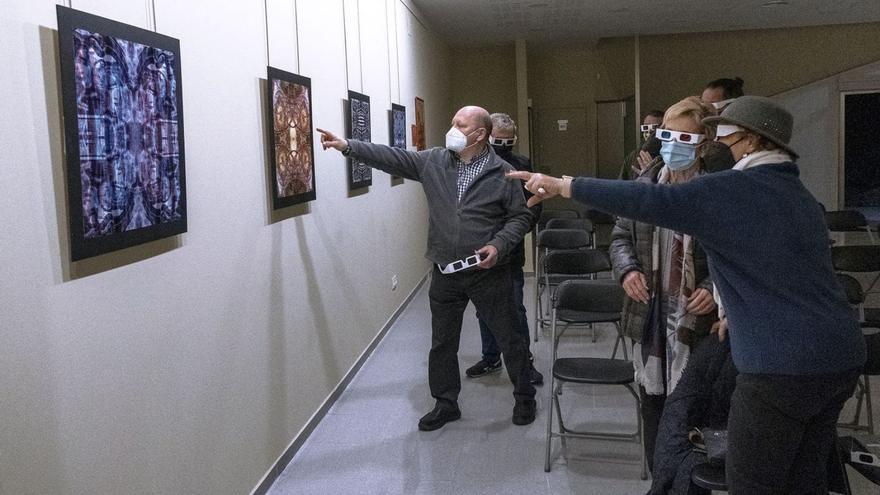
(549, 425)
(868, 407)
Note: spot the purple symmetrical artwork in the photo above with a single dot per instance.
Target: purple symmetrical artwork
(123, 124)
(128, 149)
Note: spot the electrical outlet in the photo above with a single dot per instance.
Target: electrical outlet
(394, 282)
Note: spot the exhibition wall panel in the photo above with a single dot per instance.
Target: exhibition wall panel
(187, 365)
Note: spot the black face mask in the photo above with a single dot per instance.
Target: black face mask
(717, 157)
(501, 150)
(652, 146)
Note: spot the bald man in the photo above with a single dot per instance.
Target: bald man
(475, 219)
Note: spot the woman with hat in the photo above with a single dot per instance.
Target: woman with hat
(793, 337)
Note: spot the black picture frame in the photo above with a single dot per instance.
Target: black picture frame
(358, 127)
(397, 130)
(168, 133)
(278, 200)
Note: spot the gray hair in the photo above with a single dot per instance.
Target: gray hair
(503, 122)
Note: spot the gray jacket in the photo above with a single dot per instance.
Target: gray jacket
(492, 211)
(631, 249)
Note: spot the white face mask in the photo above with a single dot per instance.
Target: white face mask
(456, 140)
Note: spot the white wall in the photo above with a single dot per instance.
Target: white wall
(817, 127)
(187, 366)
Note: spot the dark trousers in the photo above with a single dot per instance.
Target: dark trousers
(781, 430)
(491, 291)
(651, 411)
(491, 351)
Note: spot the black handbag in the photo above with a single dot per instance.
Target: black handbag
(711, 442)
(716, 445)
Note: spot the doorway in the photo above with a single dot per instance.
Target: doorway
(861, 149)
(615, 135)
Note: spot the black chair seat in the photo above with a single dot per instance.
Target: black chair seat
(849, 444)
(558, 278)
(709, 476)
(593, 370)
(872, 315)
(571, 316)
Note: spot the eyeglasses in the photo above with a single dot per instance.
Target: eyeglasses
(502, 142)
(723, 103)
(649, 127)
(457, 266)
(681, 137)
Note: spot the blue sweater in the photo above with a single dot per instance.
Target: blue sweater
(769, 256)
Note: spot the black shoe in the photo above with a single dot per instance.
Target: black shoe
(537, 377)
(438, 417)
(524, 411)
(483, 368)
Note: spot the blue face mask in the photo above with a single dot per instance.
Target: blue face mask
(678, 156)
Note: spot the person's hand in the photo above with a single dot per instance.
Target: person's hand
(720, 327)
(701, 302)
(488, 255)
(542, 186)
(644, 159)
(635, 286)
(330, 140)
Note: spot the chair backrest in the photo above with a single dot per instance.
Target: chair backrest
(600, 217)
(856, 258)
(872, 342)
(547, 215)
(576, 262)
(853, 289)
(570, 223)
(599, 296)
(845, 220)
(563, 239)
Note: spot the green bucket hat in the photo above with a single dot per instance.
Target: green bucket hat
(760, 115)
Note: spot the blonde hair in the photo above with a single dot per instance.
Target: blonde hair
(693, 107)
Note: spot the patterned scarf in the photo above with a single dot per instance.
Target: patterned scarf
(663, 353)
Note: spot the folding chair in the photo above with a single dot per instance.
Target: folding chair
(559, 266)
(555, 240)
(601, 299)
(848, 221)
(863, 386)
(860, 259)
(546, 216)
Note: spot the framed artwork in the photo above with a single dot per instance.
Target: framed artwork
(123, 125)
(397, 129)
(292, 151)
(418, 129)
(359, 173)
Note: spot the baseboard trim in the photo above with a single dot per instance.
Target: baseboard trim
(284, 459)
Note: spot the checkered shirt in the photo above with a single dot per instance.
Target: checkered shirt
(467, 172)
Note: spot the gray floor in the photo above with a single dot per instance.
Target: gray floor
(369, 442)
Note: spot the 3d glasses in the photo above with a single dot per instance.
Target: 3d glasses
(723, 103)
(457, 266)
(649, 127)
(502, 142)
(726, 130)
(681, 137)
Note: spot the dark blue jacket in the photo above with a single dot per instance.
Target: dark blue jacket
(769, 257)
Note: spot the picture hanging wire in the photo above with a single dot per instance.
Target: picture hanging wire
(360, 48)
(296, 32)
(345, 46)
(388, 39)
(266, 19)
(152, 13)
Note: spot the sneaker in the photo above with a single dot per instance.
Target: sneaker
(537, 377)
(483, 368)
(524, 411)
(438, 417)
